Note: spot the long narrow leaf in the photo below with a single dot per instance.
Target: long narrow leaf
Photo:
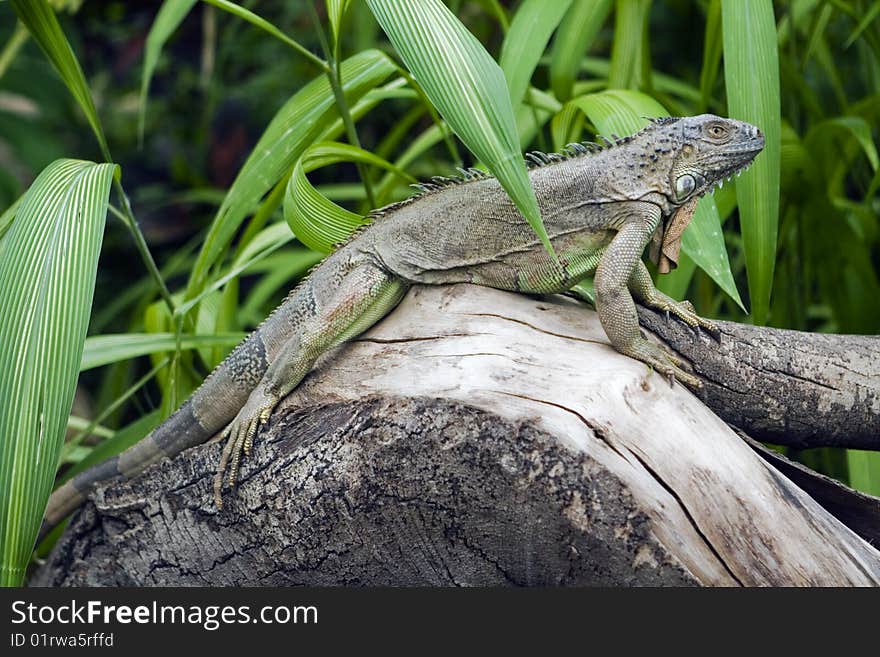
(48, 264)
(267, 27)
(579, 27)
(121, 440)
(8, 215)
(318, 222)
(294, 127)
(630, 55)
(712, 45)
(466, 86)
(524, 43)
(101, 350)
(751, 73)
(170, 16)
(335, 12)
(43, 25)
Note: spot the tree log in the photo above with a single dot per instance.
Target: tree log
(785, 387)
(473, 437)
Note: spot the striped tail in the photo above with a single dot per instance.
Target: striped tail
(206, 412)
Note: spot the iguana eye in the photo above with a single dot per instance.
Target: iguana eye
(684, 187)
(716, 131)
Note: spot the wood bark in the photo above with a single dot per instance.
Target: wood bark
(473, 437)
(786, 387)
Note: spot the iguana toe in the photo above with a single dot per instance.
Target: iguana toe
(662, 362)
(684, 310)
(239, 436)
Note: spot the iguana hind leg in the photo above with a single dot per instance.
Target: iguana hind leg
(364, 295)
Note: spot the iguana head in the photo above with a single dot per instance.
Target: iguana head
(707, 150)
(703, 151)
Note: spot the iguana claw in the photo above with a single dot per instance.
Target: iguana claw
(659, 360)
(239, 436)
(683, 310)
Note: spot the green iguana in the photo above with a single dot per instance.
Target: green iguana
(601, 205)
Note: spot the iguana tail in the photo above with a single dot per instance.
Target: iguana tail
(343, 296)
(203, 415)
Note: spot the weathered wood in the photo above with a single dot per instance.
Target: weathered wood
(473, 437)
(786, 387)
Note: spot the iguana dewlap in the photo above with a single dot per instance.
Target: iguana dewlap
(601, 207)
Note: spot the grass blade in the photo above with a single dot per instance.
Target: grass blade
(712, 45)
(579, 27)
(468, 89)
(318, 222)
(101, 350)
(630, 55)
(524, 43)
(268, 28)
(295, 126)
(43, 25)
(751, 73)
(170, 16)
(335, 12)
(48, 264)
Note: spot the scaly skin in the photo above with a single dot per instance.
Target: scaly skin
(600, 208)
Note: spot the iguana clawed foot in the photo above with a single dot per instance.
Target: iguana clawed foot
(239, 436)
(661, 361)
(684, 310)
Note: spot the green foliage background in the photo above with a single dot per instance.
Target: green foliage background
(251, 137)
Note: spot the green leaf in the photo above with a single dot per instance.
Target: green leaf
(622, 112)
(751, 72)
(526, 40)
(703, 242)
(170, 16)
(468, 89)
(858, 128)
(867, 19)
(318, 222)
(41, 22)
(121, 440)
(574, 37)
(864, 470)
(712, 46)
(268, 28)
(104, 349)
(295, 126)
(630, 54)
(264, 243)
(8, 216)
(335, 12)
(48, 264)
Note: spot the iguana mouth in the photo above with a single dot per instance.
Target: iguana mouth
(746, 153)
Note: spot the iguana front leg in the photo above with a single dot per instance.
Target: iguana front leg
(364, 295)
(614, 303)
(643, 290)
